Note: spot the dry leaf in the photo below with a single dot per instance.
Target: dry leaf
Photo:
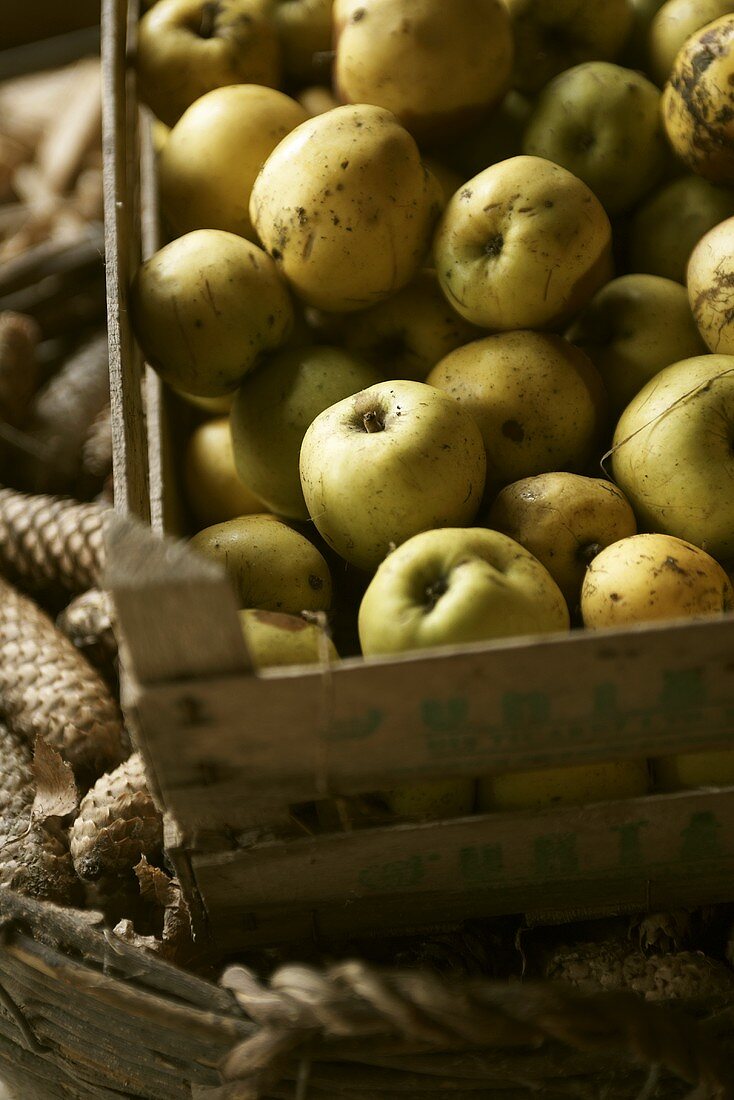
(56, 793)
(155, 885)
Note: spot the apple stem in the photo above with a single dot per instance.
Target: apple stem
(209, 14)
(372, 422)
(588, 553)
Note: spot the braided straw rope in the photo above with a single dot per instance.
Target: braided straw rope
(356, 1016)
(49, 541)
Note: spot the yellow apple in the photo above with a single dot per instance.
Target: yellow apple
(187, 47)
(346, 208)
(214, 153)
(524, 244)
(672, 455)
(538, 401)
(454, 586)
(305, 30)
(213, 489)
(686, 771)
(651, 577)
(437, 66)
(395, 459)
(673, 25)
(275, 640)
(270, 566)
(574, 785)
(711, 287)
(205, 307)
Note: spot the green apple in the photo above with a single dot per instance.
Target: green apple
(668, 225)
(437, 66)
(576, 785)
(186, 48)
(635, 53)
(673, 457)
(524, 244)
(553, 35)
(454, 586)
(213, 489)
(539, 402)
(673, 25)
(395, 459)
(213, 154)
(346, 207)
(564, 520)
(711, 287)
(270, 566)
(651, 578)
(272, 410)
(631, 329)
(602, 123)
(275, 640)
(206, 307)
(407, 334)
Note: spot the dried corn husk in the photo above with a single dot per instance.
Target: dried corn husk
(47, 689)
(118, 822)
(51, 542)
(34, 851)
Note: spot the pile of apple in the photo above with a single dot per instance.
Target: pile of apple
(400, 279)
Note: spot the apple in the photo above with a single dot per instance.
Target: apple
(454, 586)
(205, 307)
(602, 123)
(395, 459)
(316, 99)
(407, 334)
(186, 48)
(538, 401)
(438, 67)
(673, 25)
(651, 577)
(686, 771)
(711, 287)
(672, 455)
(631, 329)
(272, 410)
(346, 208)
(635, 52)
(271, 567)
(698, 102)
(275, 640)
(564, 520)
(213, 489)
(666, 227)
(210, 406)
(524, 244)
(432, 800)
(214, 152)
(553, 35)
(574, 785)
(304, 29)
(447, 179)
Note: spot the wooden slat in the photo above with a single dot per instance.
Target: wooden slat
(122, 255)
(176, 611)
(631, 854)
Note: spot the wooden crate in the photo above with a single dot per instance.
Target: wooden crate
(231, 752)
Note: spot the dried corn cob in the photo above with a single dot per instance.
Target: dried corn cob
(34, 856)
(87, 622)
(117, 824)
(51, 542)
(611, 964)
(48, 689)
